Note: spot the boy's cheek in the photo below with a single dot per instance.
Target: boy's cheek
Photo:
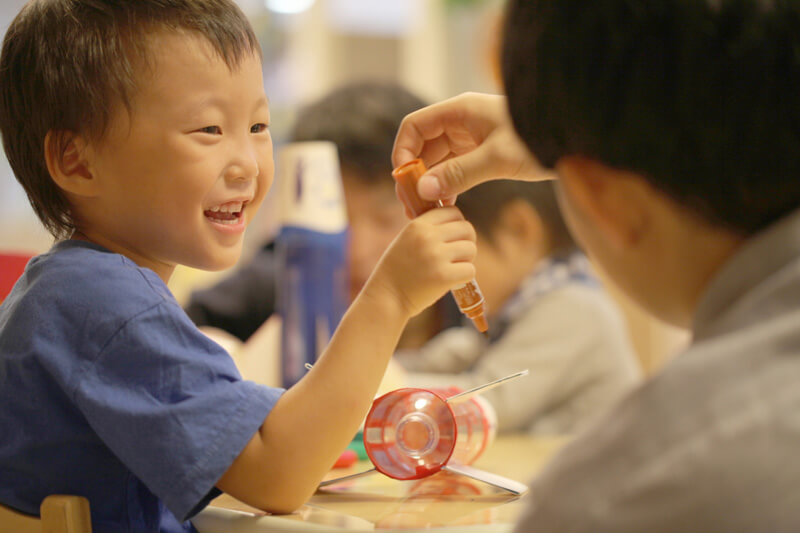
(265, 181)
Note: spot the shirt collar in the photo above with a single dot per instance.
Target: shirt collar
(549, 275)
(758, 258)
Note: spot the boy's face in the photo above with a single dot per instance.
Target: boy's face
(181, 176)
(492, 273)
(504, 261)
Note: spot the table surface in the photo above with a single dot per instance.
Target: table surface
(446, 501)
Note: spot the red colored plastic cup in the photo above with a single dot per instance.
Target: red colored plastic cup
(414, 433)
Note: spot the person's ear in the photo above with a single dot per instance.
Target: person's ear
(519, 220)
(65, 155)
(616, 202)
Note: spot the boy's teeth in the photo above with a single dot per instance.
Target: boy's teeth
(233, 207)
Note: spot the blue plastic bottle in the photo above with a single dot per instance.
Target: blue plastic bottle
(312, 253)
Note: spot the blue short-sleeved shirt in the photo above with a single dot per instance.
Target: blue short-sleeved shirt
(109, 391)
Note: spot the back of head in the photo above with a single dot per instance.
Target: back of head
(700, 97)
(362, 120)
(483, 205)
(66, 64)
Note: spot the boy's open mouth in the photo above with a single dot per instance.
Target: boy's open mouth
(229, 213)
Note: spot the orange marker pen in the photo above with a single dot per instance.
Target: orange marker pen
(468, 297)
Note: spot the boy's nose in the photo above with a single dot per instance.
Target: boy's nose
(244, 165)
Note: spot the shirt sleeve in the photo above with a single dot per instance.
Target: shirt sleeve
(171, 405)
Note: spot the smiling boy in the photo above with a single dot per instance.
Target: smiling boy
(191, 163)
(139, 131)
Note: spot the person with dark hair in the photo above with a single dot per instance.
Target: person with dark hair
(361, 119)
(140, 132)
(547, 311)
(674, 130)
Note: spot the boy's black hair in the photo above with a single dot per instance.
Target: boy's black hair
(362, 119)
(700, 97)
(482, 206)
(66, 64)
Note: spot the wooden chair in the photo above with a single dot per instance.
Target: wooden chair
(59, 514)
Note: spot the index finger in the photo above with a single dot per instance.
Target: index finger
(420, 127)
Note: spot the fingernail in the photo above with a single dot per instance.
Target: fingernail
(428, 187)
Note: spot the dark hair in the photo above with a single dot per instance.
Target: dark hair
(66, 63)
(700, 97)
(483, 204)
(362, 120)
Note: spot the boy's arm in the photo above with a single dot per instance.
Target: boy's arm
(314, 421)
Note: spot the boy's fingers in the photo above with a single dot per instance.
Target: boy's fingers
(457, 231)
(500, 156)
(442, 215)
(436, 150)
(424, 126)
(418, 129)
(461, 251)
(461, 272)
(448, 201)
(456, 175)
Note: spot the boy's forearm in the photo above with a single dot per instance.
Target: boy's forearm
(315, 420)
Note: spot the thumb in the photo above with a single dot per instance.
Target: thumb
(456, 175)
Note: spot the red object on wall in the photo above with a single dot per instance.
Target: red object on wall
(11, 267)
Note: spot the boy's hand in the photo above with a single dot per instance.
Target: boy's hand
(464, 141)
(430, 256)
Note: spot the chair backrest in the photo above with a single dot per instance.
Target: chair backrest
(11, 267)
(59, 514)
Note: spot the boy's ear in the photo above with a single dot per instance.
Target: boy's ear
(615, 202)
(65, 155)
(519, 219)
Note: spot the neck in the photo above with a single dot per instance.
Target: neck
(704, 250)
(162, 270)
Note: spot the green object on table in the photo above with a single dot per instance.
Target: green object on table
(357, 445)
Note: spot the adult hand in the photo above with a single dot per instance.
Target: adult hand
(464, 141)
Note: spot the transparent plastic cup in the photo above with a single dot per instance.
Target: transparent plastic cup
(413, 433)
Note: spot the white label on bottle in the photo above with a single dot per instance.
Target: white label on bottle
(310, 187)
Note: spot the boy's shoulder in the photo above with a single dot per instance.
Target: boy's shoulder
(87, 271)
(564, 290)
(681, 450)
(78, 298)
(78, 282)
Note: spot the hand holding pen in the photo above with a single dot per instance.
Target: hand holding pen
(468, 296)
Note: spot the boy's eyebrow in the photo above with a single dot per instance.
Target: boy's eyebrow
(216, 101)
(262, 102)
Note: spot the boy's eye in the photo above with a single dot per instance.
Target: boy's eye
(211, 130)
(259, 128)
